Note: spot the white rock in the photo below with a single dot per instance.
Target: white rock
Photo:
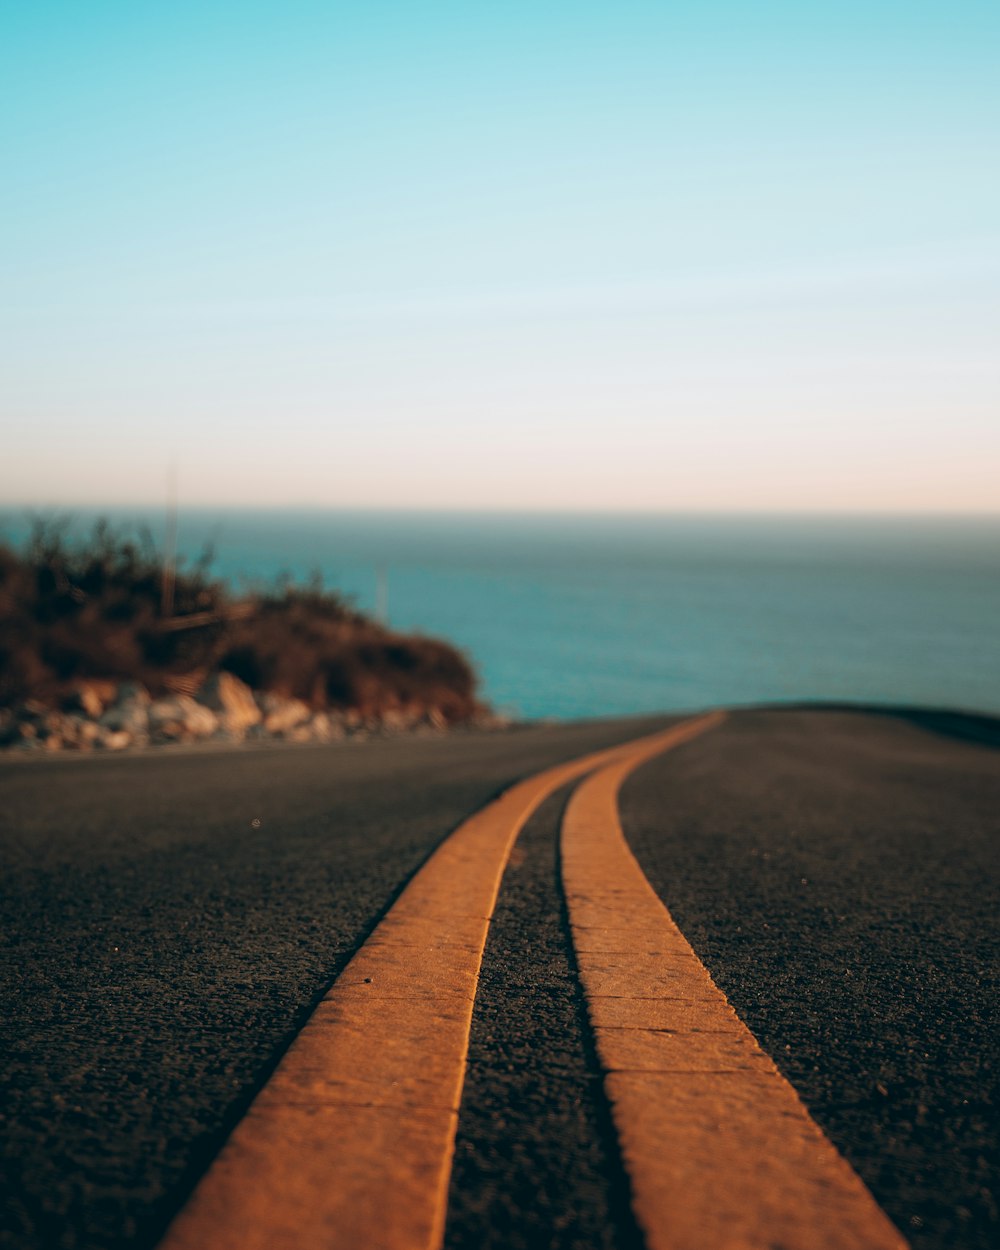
(233, 703)
(180, 716)
(280, 714)
(199, 720)
(130, 711)
(166, 711)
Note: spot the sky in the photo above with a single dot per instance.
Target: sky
(619, 256)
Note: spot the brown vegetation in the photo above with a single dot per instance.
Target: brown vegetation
(71, 613)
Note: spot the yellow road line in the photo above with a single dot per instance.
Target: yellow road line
(719, 1151)
(350, 1142)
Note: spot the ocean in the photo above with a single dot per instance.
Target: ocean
(584, 616)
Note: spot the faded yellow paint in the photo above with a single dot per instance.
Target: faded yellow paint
(719, 1151)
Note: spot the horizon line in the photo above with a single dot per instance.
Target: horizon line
(501, 510)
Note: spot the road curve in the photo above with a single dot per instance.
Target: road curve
(370, 1090)
(718, 1149)
(171, 922)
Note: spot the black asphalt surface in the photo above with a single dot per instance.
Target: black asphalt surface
(838, 872)
(535, 1162)
(160, 949)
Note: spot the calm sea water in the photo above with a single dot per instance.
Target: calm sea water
(590, 616)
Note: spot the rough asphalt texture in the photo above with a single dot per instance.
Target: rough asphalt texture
(535, 1162)
(838, 873)
(160, 949)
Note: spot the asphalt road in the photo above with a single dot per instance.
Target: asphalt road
(535, 1158)
(170, 919)
(168, 922)
(839, 875)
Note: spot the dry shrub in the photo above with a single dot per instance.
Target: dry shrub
(94, 610)
(310, 646)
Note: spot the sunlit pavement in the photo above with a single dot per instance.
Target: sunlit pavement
(174, 920)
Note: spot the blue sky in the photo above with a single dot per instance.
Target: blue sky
(563, 255)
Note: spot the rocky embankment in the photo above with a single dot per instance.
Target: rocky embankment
(117, 716)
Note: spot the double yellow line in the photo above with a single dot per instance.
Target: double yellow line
(350, 1143)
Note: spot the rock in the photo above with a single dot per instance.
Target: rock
(281, 714)
(325, 728)
(128, 719)
(394, 721)
(129, 713)
(179, 717)
(200, 721)
(85, 733)
(233, 703)
(166, 711)
(88, 701)
(225, 709)
(91, 698)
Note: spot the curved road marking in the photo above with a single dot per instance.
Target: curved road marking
(718, 1148)
(350, 1142)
